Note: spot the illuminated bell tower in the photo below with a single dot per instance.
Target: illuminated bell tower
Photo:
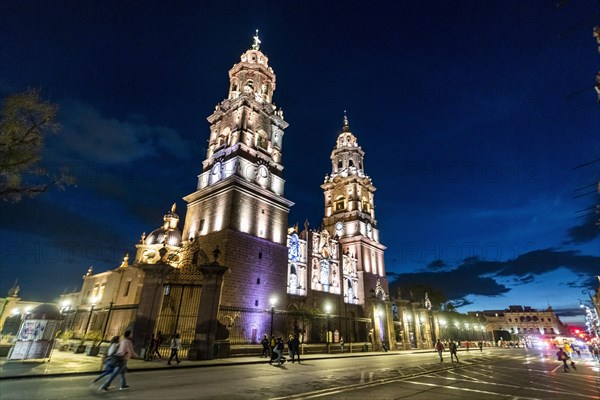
(239, 204)
(350, 213)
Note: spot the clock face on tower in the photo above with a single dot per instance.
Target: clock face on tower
(339, 227)
(263, 172)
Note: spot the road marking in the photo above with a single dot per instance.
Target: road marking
(472, 390)
(567, 392)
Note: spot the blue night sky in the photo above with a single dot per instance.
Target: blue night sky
(473, 115)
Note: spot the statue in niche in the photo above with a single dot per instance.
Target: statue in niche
(216, 253)
(294, 248)
(324, 275)
(293, 281)
(379, 292)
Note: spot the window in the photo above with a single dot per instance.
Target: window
(127, 287)
(258, 281)
(340, 164)
(201, 225)
(510, 320)
(350, 163)
(255, 303)
(340, 204)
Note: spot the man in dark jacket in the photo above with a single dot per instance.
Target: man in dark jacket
(295, 348)
(453, 349)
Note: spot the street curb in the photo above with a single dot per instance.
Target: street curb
(207, 365)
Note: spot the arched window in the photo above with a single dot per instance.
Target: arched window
(350, 163)
(262, 140)
(340, 163)
(340, 204)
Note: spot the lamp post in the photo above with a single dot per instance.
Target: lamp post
(107, 319)
(87, 325)
(328, 311)
(64, 309)
(273, 300)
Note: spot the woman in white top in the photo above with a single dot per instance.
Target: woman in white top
(175, 345)
(108, 361)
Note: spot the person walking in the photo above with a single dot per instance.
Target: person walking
(265, 347)
(453, 349)
(272, 344)
(439, 347)
(295, 348)
(157, 342)
(278, 350)
(342, 344)
(124, 350)
(480, 344)
(562, 356)
(110, 361)
(175, 346)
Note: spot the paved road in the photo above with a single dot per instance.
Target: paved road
(496, 374)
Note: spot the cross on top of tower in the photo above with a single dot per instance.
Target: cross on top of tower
(256, 44)
(346, 126)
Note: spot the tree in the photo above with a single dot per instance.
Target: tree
(25, 121)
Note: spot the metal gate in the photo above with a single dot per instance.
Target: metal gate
(179, 312)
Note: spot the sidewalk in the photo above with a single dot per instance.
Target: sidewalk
(63, 363)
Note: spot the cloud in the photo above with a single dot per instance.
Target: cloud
(454, 284)
(87, 134)
(568, 312)
(65, 227)
(585, 232)
(480, 277)
(437, 265)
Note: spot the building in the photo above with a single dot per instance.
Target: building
(523, 322)
(13, 310)
(235, 271)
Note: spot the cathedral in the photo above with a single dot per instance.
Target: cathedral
(235, 271)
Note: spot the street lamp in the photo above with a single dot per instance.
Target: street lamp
(273, 300)
(328, 311)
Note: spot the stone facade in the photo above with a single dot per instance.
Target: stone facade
(235, 272)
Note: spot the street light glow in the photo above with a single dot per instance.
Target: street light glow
(272, 301)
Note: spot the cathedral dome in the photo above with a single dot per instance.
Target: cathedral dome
(169, 233)
(45, 311)
(172, 237)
